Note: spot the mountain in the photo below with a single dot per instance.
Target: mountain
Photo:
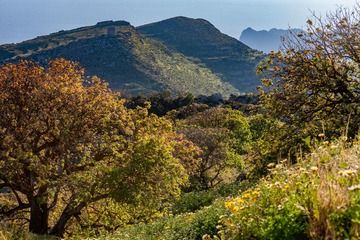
(130, 62)
(265, 41)
(229, 58)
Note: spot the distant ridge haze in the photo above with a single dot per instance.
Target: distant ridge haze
(264, 40)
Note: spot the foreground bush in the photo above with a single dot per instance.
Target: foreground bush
(319, 198)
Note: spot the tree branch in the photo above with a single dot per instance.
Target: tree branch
(10, 212)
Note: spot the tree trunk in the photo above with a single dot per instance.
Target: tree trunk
(69, 212)
(59, 228)
(39, 215)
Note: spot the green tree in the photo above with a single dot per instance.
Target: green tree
(223, 136)
(66, 142)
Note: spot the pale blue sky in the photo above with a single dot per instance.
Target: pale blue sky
(24, 19)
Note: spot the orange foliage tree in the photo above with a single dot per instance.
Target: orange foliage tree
(68, 140)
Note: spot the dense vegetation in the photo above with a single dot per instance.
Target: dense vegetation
(78, 160)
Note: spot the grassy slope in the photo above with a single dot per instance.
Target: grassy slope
(177, 73)
(232, 60)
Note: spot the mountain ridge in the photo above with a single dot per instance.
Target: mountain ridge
(196, 57)
(116, 52)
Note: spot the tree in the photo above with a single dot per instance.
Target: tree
(223, 136)
(67, 142)
(314, 81)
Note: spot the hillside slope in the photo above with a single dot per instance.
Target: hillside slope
(230, 59)
(130, 62)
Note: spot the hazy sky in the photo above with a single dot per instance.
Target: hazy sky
(24, 19)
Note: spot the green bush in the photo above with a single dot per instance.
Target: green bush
(285, 223)
(193, 201)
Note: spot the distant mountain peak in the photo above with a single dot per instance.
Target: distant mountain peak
(184, 19)
(187, 20)
(185, 26)
(249, 29)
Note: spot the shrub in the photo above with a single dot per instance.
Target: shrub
(193, 201)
